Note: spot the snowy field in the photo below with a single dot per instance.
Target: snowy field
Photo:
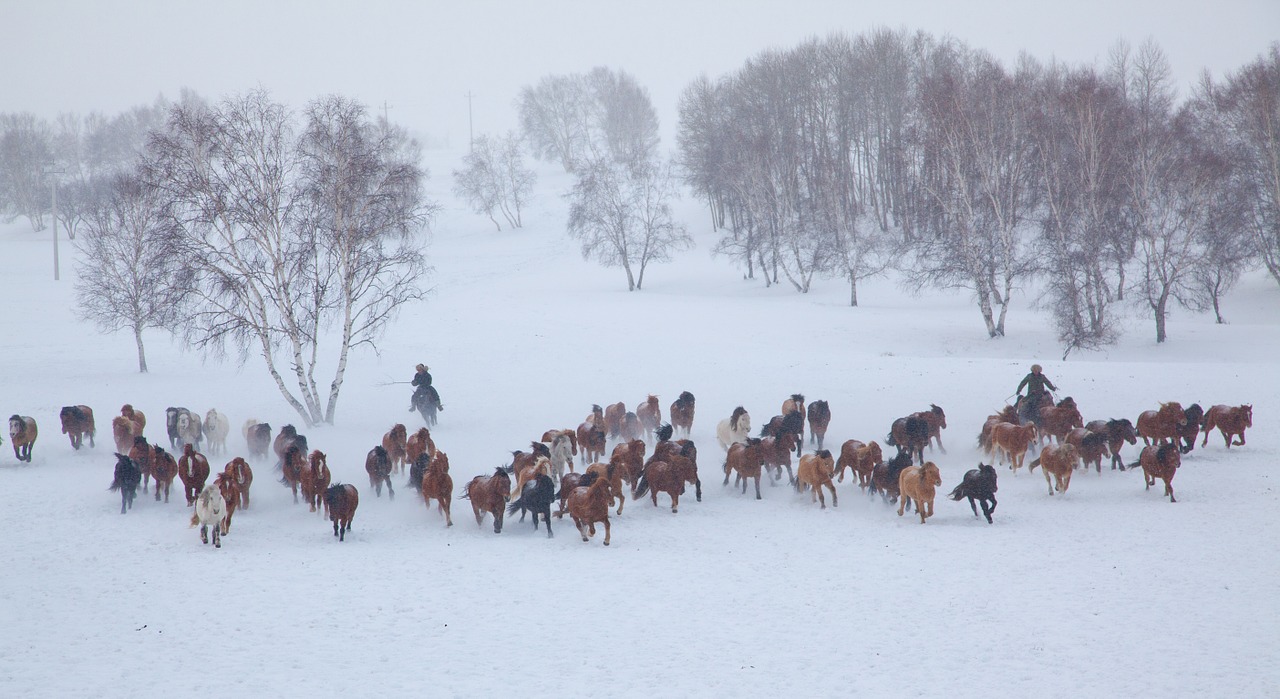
(1108, 590)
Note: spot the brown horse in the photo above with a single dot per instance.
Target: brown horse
(287, 437)
(682, 413)
(919, 484)
(315, 479)
(747, 459)
(591, 439)
(238, 470)
(550, 436)
(1009, 415)
(631, 427)
(22, 435)
(819, 418)
(668, 477)
(815, 470)
(193, 469)
(295, 462)
(137, 417)
(885, 477)
(226, 482)
(419, 443)
(777, 454)
(122, 431)
(1012, 442)
(1160, 462)
(910, 434)
(649, 414)
(1117, 433)
(588, 504)
(795, 404)
(395, 442)
(257, 436)
(163, 469)
(377, 463)
(1162, 425)
(862, 458)
(527, 466)
(629, 458)
(937, 421)
(1091, 446)
(342, 500)
(613, 418)
(489, 495)
(1190, 431)
(1229, 421)
(77, 423)
(1059, 461)
(615, 473)
(437, 485)
(141, 454)
(1057, 420)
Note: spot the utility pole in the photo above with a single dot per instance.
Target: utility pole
(54, 180)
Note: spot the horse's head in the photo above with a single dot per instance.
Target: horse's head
(942, 417)
(988, 473)
(187, 450)
(440, 462)
(1248, 414)
(930, 475)
(288, 432)
(665, 431)
(317, 460)
(1169, 456)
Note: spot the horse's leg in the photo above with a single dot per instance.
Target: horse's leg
(447, 505)
(582, 531)
(621, 501)
(217, 536)
(606, 529)
(675, 501)
(974, 505)
(834, 502)
(546, 518)
(744, 487)
(204, 533)
(1168, 487)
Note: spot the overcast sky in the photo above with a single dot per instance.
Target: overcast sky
(421, 59)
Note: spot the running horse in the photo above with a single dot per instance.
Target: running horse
(1229, 421)
(315, 479)
(1117, 431)
(589, 503)
(649, 414)
(378, 465)
(77, 423)
(489, 495)
(22, 436)
(341, 499)
(1163, 425)
(395, 441)
(819, 418)
(193, 469)
(437, 485)
(815, 470)
(1161, 462)
(163, 468)
(682, 413)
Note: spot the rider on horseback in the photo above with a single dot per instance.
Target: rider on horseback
(1035, 383)
(422, 380)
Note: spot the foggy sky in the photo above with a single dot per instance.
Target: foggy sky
(420, 60)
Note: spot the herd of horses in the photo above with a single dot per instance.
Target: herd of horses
(648, 457)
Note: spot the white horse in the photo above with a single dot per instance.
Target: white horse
(189, 428)
(211, 509)
(734, 429)
(216, 428)
(561, 456)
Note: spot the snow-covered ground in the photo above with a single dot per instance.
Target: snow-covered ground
(1108, 590)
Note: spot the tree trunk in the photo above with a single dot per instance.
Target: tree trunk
(853, 291)
(984, 303)
(142, 354)
(1160, 308)
(631, 280)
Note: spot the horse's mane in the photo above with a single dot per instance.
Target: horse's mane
(1163, 452)
(822, 454)
(500, 471)
(665, 431)
(381, 452)
(588, 478)
(540, 449)
(793, 421)
(685, 397)
(738, 412)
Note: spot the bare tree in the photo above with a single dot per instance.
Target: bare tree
(494, 179)
(623, 216)
(553, 119)
(130, 275)
(624, 123)
(604, 113)
(26, 153)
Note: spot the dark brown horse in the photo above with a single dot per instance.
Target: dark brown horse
(226, 482)
(979, 486)
(909, 434)
(127, 477)
(377, 463)
(628, 457)
(613, 418)
(884, 477)
(257, 437)
(395, 441)
(862, 458)
(1162, 425)
(1117, 432)
(163, 469)
(142, 456)
(77, 423)
(747, 459)
(287, 437)
(315, 479)
(670, 468)
(489, 495)
(239, 471)
(295, 460)
(1190, 431)
(649, 414)
(1091, 446)
(790, 423)
(1160, 461)
(682, 413)
(937, 421)
(777, 454)
(419, 443)
(631, 427)
(342, 500)
(437, 485)
(193, 469)
(1229, 421)
(819, 418)
(1057, 420)
(22, 435)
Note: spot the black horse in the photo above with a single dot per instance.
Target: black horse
(979, 485)
(1189, 432)
(127, 478)
(910, 435)
(536, 497)
(417, 470)
(792, 422)
(884, 477)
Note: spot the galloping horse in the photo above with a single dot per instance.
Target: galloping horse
(239, 471)
(1092, 446)
(862, 458)
(22, 435)
(1162, 425)
(1058, 462)
(589, 503)
(190, 430)
(747, 459)
(164, 468)
(777, 453)
(885, 477)
(378, 464)
(489, 495)
(1190, 431)
(790, 423)
(287, 437)
(650, 415)
(419, 443)
(122, 430)
(315, 479)
(919, 483)
(682, 413)
(127, 477)
(561, 456)
(591, 439)
(937, 421)
(669, 477)
(615, 473)
(216, 429)
(795, 404)
(226, 483)
(1160, 462)
(1012, 441)
(437, 485)
(910, 434)
(193, 469)
(734, 429)
(819, 418)
(1117, 432)
(1229, 421)
(536, 496)
(979, 485)
(815, 470)
(1057, 420)
(614, 415)
(137, 417)
(142, 456)
(631, 428)
(77, 422)
(295, 461)
(257, 436)
(211, 509)
(395, 441)
(341, 499)
(1009, 414)
(628, 458)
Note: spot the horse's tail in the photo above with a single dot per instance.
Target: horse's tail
(1032, 466)
(195, 519)
(958, 493)
(642, 486)
(515, 504)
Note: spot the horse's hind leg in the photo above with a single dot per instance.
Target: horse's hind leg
(744, 487)
(606, 530)
(391, 493)
(546, 517)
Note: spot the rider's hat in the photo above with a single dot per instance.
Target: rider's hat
(421, 367)
(1035, 368)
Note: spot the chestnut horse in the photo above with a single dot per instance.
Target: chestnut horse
(137, 417)
(668, 472)
(287, 437)
(791, 423)
(315, 479)
(437, 485)
(862, 458)
(978, 485)
(226, 483)
(682, 413)
(1057, 420)
(589, 503)
(1058, 462)
(419, 443)
(777, 453)
(1162, 425)
(257, 437)
(122, 431)
(378, 465)
(193, 469)
(295, 461)
(815, 470)
(747, 459)
(395, 442)
(919, 484)
(819, 418)
(341, 499)
(614, 415)
(127, 477)
(22, 435)
(1160, 462)
(734, 429)
(239, 471)
(489, 495)
(615, 474)
(142, 456)
(1012, 442)
(628, 459)
(1009, 414)
(163, 469)
(1229, 421)
(77, 423)
(591, 440)
(650, 415)
(937, 421)
(1117, 433)
(1091, 446)
(631, 428)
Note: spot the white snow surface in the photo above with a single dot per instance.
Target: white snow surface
(1107, 590)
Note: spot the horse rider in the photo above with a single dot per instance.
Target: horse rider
(1035, 383)
(422, 381)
